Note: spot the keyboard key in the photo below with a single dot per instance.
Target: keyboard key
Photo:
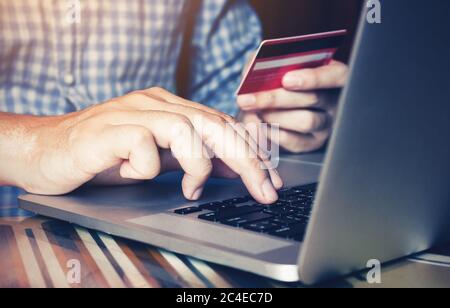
(295, 210)
(302, 219)
(284, 221)
(276, 210)
(302, 214)
(211, 204)
(212, 216)
(289, 232)
(239, 221)
(302, 204)
(187, 211)
(215, 206)
(230, 213)
(236, 201)
(280, 203)
(286, 191)
(262, 226)
(293, 198)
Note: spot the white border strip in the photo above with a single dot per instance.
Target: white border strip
(210, 274)
(434, 259)
(182, 269)
(265, 65)
(430, 263)
(109, 273)
(54, 269)
(34, 274)
(130, 270)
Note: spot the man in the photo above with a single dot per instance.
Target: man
(73, 76)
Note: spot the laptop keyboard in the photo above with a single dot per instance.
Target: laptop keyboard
(287, 218)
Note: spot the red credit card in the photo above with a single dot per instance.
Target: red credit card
(277, 57)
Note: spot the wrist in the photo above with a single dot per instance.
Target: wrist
(19, 149)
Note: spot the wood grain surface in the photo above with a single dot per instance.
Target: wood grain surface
(35, 251)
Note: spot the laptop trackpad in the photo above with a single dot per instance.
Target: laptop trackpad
(217, 235)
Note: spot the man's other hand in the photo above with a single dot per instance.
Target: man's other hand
(304, 108)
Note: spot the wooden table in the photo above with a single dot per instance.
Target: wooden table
(36, 252)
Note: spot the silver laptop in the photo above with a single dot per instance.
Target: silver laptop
(382, 192)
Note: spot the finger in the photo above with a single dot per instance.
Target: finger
(300, 121)
(259, 142)
(227, 145)
(187, 147)
(174, 99)
(220, 136)
(302, 143)
(329, 76)
(220, 169)
(256, 136)
(278, 99)
(160, 100)
(175, 132)
(134, 148)
(112, 175)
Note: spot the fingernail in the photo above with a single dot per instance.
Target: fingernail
(197, 194)
(269, 191)
(291, 81)
(247, 100)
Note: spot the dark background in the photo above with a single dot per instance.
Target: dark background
(283, 18)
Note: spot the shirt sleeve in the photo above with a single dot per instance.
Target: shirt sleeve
(226, 34)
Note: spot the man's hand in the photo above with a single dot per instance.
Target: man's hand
(304, 108)
(135, 137)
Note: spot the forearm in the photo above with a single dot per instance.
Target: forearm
(17, 143)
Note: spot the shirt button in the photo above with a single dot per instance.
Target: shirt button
(69, 79)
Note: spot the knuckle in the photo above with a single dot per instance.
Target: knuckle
(182, 127)
(312, 98)
(311, 79)
(138, 96)
(267, 99)
(108, 114)
(213, 121)
(112, 104)
(308, 121)
(253, 164)
(136, 136)
(157, 90)
(230, 119)
(219, 120)
(141, 136)
(182, 120)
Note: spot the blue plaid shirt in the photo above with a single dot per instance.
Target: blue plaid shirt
(59, 56)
